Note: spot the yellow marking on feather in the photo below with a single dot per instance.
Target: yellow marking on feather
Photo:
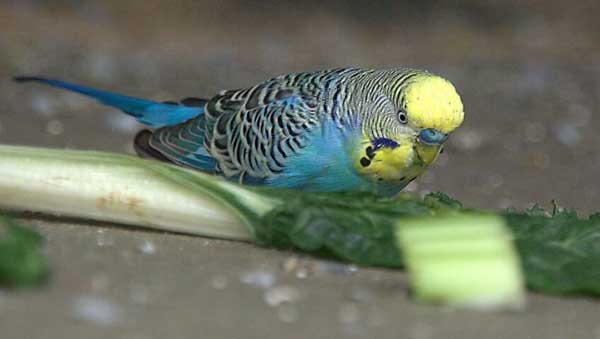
(432, 102)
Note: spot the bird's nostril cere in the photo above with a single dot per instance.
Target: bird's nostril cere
(432, 137)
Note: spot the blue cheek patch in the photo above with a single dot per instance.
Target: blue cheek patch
(432, 137)
(384, 142)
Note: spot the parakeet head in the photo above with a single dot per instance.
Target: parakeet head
(413, 113)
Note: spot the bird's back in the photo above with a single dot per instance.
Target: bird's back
(251, 134)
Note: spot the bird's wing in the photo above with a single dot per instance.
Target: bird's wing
(246, 134)
(181, 144)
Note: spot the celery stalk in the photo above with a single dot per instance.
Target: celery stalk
(462, 260)
(126, 189)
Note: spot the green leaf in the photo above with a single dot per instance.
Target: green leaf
(560, 252)
(21, 260)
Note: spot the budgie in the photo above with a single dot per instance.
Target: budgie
(331, 130)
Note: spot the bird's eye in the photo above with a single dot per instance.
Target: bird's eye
(402, 117)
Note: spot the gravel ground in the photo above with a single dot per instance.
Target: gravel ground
(529, 76)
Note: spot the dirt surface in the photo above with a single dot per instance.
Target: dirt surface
(529, 75)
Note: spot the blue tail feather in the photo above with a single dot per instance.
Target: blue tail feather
(148, 112)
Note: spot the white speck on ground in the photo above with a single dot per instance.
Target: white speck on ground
(104, 240)
(568, 134)
(281, 294)
(97, 310)
(328, 267)
(147, 247)
(44, 105)
(302, 273)
(259, 278)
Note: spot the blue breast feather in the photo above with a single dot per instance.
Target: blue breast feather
(324, 165)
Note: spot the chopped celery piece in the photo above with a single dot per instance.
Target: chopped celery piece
(462, 260)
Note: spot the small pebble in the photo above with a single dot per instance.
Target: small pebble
(290, 265)
(147, 247)
(302, 273)
(104, 240)
(300, 268)
(568, 134)
(96, 310)
(219, 282)
(335, 268)
(54, 127)
(43, 105)
(280, 294)
(258, 278)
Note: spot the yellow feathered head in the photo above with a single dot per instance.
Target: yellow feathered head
(432, 102)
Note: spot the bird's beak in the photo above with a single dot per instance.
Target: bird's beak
(432, 137)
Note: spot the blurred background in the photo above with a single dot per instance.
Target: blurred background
(528, 72)
(529, 75)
